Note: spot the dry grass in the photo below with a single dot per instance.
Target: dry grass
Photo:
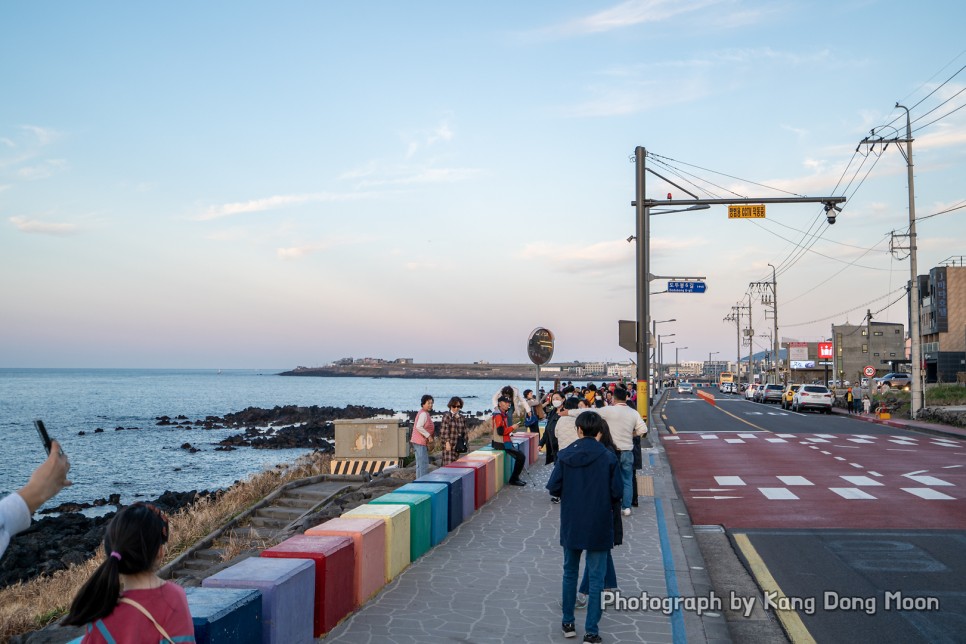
(34, 604)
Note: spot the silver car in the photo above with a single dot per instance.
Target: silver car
(893, 380)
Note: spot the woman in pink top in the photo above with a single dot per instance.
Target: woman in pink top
(124, 600)
(422, 433)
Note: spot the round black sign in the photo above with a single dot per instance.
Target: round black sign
(540, 346)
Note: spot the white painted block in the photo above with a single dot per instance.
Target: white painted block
(709, 436)
(928, 480)
(729, 480)
(860, 480)
(859, 440)
(734, 440)
(776, 440)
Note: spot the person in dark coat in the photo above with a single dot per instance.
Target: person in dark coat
(610, 574)
(587, 479)
(549, 439)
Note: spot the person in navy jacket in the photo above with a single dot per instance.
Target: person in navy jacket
(587, 478)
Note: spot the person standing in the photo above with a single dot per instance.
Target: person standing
(587, 480)
(454, 425)
(502, 441)
(866, 404)
(849, 400)
(422, 433)
(565, 430)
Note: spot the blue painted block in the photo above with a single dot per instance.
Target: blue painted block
(226, 615)
(455, 482)
(288, 595)
(469, 490)
(439, 498)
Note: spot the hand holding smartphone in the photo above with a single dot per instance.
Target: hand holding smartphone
(44, 436)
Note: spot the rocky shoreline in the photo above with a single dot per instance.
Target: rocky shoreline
(69, 537)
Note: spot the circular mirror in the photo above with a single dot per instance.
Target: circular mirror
(540, 346)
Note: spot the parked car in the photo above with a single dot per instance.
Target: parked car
(750, 390)
(771, 393)
(727, 388)
(789, 395)
(685, 388)
(893, 381)
(812, 397)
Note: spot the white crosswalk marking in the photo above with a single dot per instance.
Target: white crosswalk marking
(826, 435)
(709, 436)
(851, 493)
(747, 436)
(859, 440)
(860, 480)
(785, 435)
(734, 440)
(777, 493)
(928, 493)
(776, 440)
(729, 480)
(857, 465)
(795, 480)
(927, 480)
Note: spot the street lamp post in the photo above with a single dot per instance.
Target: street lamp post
(660, 374)
(714, 371)
(677, 364)
(657, 345)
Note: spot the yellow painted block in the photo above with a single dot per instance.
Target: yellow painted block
(499, 457)
(397, 520)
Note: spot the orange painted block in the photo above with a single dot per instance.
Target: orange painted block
(369, 544)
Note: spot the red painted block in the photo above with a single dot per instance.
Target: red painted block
(489, 462)
(369, 542)
(334, 559)
(479, 478)
(533, 445)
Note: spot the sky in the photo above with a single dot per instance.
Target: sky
(249, 185)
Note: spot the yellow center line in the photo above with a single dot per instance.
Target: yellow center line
(791, 621)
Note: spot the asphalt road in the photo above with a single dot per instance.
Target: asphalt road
(854, 531)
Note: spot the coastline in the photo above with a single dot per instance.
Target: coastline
(449, 371)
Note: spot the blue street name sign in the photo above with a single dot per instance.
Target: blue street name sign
(686, 287)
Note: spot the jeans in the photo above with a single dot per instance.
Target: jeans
(610, 577)
(596, 563)
(627, 474)
(422, 460)
(519, 460)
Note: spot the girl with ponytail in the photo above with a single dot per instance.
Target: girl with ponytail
(125, 600)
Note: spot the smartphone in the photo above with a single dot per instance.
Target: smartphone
(44, 436)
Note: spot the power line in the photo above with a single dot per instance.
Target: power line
(950, 113)
(831, 277)
(831, 317)
(925, 114)
(730, 177)
(867, 250)
(961, 204)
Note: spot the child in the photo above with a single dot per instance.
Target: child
(866, 404)
(124, 600)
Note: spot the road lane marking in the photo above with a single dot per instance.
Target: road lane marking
(709, 436)
(717, 498)
(748, 435)
(785, 435)
(671, 438)
(776, 440)
(928, 480)
(778, 493)
(729, 480)
(826, 453)
(826, 435)
(946, 467)
(859, 440)
(874, 473)
(860, 480)
(734, 440)
(851, 493)
(857, 465)
(928, 493)
(795, 480)
(892, 449)
(712, 489)
(916, 472)
(839, 458)
(789, 618)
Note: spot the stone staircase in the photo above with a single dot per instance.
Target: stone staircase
(267, 523)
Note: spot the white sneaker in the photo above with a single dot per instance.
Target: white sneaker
(627, 512)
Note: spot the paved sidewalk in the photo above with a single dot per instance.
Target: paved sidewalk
(497, 578)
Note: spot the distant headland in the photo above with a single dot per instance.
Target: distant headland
(407, 368)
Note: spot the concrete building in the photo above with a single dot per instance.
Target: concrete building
(942, 321)
(854, 349)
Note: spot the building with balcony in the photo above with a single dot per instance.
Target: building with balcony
(853, 349)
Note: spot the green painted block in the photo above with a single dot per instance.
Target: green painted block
(421, 519)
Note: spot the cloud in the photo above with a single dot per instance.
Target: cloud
(276, 202)
(638, 96)
(626, 14)
(42, 171)
(298, 252)
(33, 226)
(43, 135)
(427, 138)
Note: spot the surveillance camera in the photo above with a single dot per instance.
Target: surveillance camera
(831, 217)
(830, 210)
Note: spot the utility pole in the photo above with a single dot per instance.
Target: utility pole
(735, 316)
(773, 302)
(914, 322)
(712, 366)
(677, 364)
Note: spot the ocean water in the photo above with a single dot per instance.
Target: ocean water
(144, 460)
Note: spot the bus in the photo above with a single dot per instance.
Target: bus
(726, 377)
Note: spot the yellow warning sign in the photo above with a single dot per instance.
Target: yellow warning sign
(747, 212)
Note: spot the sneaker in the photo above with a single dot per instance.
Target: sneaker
(595, 638)
(581, 601)
(569, 630)
(518, 483)
(627, 512)
(555, 499)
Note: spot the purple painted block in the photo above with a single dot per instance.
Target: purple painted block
(288, 595)
(455, 482)
(469, 490)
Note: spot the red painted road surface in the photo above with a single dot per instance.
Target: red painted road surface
(831, 481)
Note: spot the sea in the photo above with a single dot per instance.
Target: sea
(143, 460)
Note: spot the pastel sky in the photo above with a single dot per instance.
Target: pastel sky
(249, 184)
